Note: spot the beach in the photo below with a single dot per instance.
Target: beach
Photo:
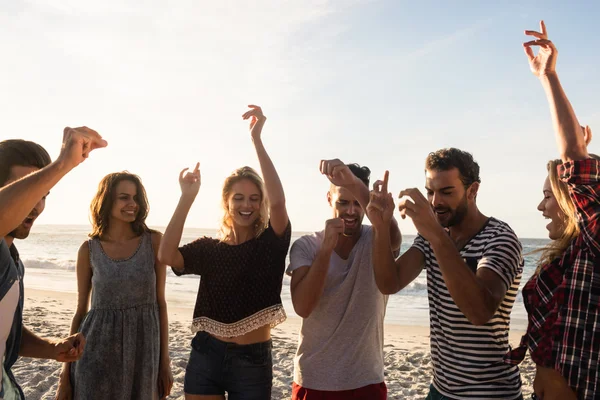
(407, 366)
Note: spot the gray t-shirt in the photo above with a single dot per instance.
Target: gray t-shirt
(340, 346)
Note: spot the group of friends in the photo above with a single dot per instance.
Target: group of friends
(341, 277)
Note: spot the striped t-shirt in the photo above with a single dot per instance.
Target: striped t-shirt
(467, 359)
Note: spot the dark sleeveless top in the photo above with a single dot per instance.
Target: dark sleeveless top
(240, 286)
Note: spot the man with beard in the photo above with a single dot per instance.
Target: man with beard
(26, 176)
(340, 349)
(474, 267)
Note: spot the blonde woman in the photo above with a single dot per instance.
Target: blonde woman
(241, 276)
(562, 297)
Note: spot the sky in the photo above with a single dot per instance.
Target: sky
(380, 83)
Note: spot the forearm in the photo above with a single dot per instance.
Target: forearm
(308, 292)
(164, 333)
(360, 191)
(18, 198)
(570, 140)
(169, 243)
(384, 265)
(273, 185)
(395, 236)
(470, 295)
(35, 347)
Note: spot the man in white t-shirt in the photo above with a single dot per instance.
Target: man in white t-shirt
(340, 349)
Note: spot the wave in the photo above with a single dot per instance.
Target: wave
(64, 265)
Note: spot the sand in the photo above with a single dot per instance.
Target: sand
(407, 362)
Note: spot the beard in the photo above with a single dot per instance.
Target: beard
(456, 215)
(20, 233)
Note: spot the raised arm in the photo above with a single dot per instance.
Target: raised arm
(339, 174)
(478, 295)
(390, 276)
(18, 198)
(308, 281)
(84, 288)
(571, 142)
(278, 212)
(168, 251)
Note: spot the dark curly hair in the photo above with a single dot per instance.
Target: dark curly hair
(446, 159)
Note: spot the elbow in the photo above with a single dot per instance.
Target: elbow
(481, 318)
(164, 257)
(303, 311)
(388, 288)
(162, 304)
(577, 152)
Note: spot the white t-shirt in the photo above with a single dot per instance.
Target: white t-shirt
(340, 346)
(8, 305)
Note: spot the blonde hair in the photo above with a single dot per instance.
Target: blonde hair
(560, 191)
(240, 174)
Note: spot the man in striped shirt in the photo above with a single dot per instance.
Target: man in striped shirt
(474, 265)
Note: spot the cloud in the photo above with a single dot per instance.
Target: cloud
(446, 41)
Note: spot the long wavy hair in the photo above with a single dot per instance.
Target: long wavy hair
(560, 191)
(103, 201)
(240, 174)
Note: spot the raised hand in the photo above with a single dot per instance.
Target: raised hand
(337, 172)
(69, 349)
(77, 144)
(257, 120)
(416, 206)
(190, 182)
(333, 229)
(381, 204)
(545, 61)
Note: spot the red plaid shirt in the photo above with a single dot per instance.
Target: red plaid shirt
(563, 300)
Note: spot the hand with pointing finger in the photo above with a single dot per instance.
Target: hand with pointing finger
(545, 61)
(190, 182)
(380, 209)
(418, 208)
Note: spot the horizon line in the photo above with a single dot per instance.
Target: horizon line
(214, 229)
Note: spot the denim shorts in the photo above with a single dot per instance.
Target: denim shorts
(245, 372)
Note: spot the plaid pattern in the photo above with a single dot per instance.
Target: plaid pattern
(563, 300)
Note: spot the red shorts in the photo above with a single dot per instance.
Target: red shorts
(377, 391)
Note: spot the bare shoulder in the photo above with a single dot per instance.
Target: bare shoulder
(156, 237)
(84, 249)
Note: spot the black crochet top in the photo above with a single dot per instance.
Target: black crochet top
(240, 285)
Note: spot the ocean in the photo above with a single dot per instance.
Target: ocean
(50, 254)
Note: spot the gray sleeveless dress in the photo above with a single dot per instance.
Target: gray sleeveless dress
(122, 331)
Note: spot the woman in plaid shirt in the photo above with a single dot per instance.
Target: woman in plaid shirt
(563, 296)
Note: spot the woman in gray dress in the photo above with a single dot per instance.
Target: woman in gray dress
(126, 327)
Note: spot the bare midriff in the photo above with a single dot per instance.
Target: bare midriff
(259, 335)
